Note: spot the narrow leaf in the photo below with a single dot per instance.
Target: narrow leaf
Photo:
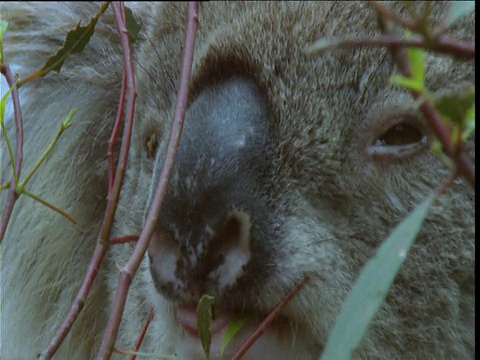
(416, 57)
(133, 27)
(469, 123)
(233, 327)
(204, 322)
(369, 291)
(408, 83)
(75, 42)
(3, 27)
(455, 105)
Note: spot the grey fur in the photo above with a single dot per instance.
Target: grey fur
(329, 203)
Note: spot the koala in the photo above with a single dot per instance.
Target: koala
(290, 164)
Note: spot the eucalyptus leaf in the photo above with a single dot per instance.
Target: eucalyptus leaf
(371, 288)
(406, 82)
(416, 56)
(469, 123)
(3, 27)
(204, 322)
(133, 26)
(75, 42)
(233, 327)
(456, 105)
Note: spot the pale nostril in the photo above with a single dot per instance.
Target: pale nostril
(163, 253)
(232, 244)
(212, 267)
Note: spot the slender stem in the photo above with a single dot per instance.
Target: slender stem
(263, 326)
(114, 195)
(131, 267)
(50, 206)
(64, 126)
(12, 194)
(115, 131)
(139, 341)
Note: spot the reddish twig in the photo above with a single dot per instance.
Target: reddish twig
(12, 195)
(458, 49)
(385, 13)
(124, 239)
(263, 326)
(139, 341)
(131, 267)
(447, 184)
(113, 137)
(443, 45)
(102, 245)
(462, 160)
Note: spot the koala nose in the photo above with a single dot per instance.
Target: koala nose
(212, 267)
(215, 204)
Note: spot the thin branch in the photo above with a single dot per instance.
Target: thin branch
(131, 267)
(385, 13)
(103, 241)
(443, 45)
(63, 126)
(50, 206)
(139, 341)
(263, 326)
(124, 239)
(462, 160)
(113, 137)
(12, 194)
(447, 184)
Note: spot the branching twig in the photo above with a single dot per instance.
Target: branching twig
(131, 267)
(444, 45)
(385, 13)
(50, 206)
(113, 137)
(12, 195)
(139, 341)
(124, 239)
(102, 245)
(461, 159)
(263, 326)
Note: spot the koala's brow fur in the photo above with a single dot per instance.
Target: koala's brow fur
(274, 180)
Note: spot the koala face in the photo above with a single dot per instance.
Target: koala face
(292, 164)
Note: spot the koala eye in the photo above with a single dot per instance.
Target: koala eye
(151, 144)
(400, 140)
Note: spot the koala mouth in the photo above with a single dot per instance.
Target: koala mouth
(187, 318)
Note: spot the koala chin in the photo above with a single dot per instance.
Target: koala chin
(290, 164)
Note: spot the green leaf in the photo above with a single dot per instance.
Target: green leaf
(3, 27)
(469, 123)
(408, 83)
(233, 327)
(458, 9)
(133, 27)
(204, 322)
(436, 147)
(75, 42)
(416, 56)
(455, 105)
(369, 291)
